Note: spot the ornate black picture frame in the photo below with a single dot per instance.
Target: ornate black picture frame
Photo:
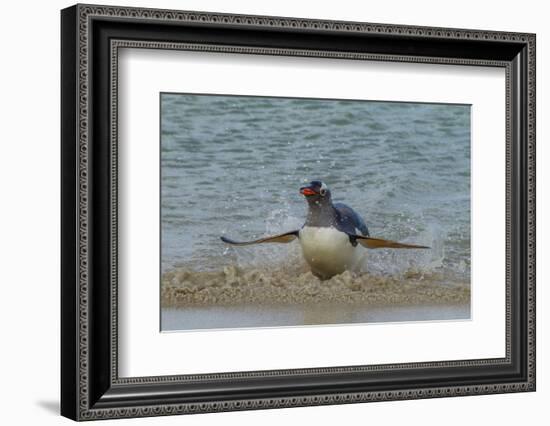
(91, 36)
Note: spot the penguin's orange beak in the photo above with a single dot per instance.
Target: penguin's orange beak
(307, 191)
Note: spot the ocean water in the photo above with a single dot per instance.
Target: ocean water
(232, 165)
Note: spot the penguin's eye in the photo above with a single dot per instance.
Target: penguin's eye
(322, 191)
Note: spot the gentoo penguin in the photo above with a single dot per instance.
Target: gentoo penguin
(330, 235)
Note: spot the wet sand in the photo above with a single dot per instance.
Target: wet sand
(254, 297)
(218, 317)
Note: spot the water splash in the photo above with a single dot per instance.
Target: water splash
(277, 274)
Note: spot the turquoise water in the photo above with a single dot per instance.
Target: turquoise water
(232, 165)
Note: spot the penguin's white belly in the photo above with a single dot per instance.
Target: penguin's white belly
(328, 251)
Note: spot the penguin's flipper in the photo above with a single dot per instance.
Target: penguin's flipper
(287, 237)
(374, 243)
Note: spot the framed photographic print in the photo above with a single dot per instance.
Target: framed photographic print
(263, 212)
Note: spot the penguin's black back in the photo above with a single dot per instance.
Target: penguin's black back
(348, 220)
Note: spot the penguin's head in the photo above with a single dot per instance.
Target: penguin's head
(316, 192)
